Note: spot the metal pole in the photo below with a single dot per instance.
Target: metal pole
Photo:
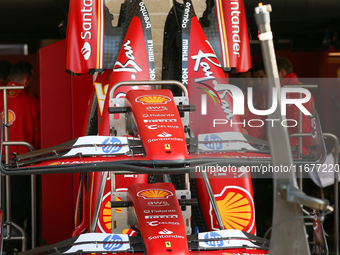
(33, 209)
(213, 201)
(287, 238)
(336, 193)
(300, 143)
(7, 143)
(99, 201)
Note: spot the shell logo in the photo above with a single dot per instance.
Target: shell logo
(236, 207)
(153, 99)
(155, 193)
(11, 116)
(105, 219)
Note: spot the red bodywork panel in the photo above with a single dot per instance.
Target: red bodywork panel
(122, 183)
(205, 72)
(155, 203)
(160, 141)
(85, 36)
(233, 31)
(132, 64)
(235, 200)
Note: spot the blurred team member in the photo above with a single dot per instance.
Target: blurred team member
(254, 129)
(23, 108)
(5, 68)
(260, 97)
(23, 117)
(288, 77)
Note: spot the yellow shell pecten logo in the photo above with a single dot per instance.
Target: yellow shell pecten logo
(236, 207)
(11, 116)
(154, 193)
(156, 99)
(106, 216)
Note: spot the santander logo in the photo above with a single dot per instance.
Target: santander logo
(87, 14)
(164, 134)
(165, 232)
(86, 51)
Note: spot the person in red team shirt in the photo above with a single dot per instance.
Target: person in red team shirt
(23, 117)
(287, 77)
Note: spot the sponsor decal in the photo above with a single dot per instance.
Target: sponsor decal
(185, 50)
(87, 27)
(209, 57)
(165, 232)
(165, 236)
(160, 120)
(86, 51)
(185, 76)
(101, 92)
(160, 126)
(157, 223)
(158, 203)
(164, 134)
(213, 138)
(104, 219)
(155, 194)
(235, 21)
(153, 99)
(130, 65)
(153, 70)
(74, 162)
(221, 98)
(111, 143)
(143, 10)
(160, 211)
(215, 243)
(13, 93)
(165, 139)
(156, 108)
(11, 117)
(236, 207)
(173, 216)
(186, 14)
(158, 115)
(117, 242)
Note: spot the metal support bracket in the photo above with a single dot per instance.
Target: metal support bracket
(294, 195)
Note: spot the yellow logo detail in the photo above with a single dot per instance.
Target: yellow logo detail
(11, 116)
(107, 215)
(167, 146)
(168, 244)
(154, 193)
(236, 211)
(55, 163)
(153, 99)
